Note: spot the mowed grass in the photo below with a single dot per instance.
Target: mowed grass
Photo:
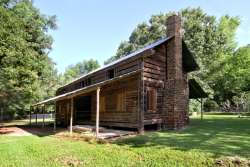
(198, 145)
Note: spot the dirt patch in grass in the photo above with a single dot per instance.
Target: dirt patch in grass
(232, 162)
(14, 131)
(70, 161)
(80, 137)
(28, 131)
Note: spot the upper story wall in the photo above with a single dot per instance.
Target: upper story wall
(113, 71)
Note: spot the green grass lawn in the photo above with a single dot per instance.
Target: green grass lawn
(198, 145)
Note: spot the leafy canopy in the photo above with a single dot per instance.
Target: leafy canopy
(81, 68)
(27, 74)
(210, 39)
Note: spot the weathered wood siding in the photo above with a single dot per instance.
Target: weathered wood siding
(62, 112)
(118, 102)
(154, 72)
(120, 98)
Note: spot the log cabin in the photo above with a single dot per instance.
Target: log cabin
(147, 87)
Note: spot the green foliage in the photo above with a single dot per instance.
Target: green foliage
(81, 68)
(239, 69)
(233, 79)
(212, 42)
(143, 34)
(210, 105)
(27, 74)
(194, 106)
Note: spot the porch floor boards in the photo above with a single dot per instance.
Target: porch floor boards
(104, 133)
(109, 124)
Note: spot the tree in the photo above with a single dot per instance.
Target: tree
(211, 40)
(25, 68)
(232, 81)
(81, 68)
(143, 34)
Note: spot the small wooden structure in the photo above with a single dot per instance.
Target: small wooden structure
(149, 86)
(42, 111)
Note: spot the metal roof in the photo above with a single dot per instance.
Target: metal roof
(136, 53)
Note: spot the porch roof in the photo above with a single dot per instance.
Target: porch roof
(195, 90)
(86, 89)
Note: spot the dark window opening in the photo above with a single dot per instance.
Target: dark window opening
(82, 84)
(88, 82)
(82, 109)
(64, 90)
(111, 73)
(78, 85)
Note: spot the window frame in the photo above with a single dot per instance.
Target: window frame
(152, 99)
(111, 73)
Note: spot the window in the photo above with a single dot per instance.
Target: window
(151, 100)
(114, 101)
(102, 104)
(111, 73)
(78, 85)
(88, 82)
(64, 90)
(120, 101)
(82, 84)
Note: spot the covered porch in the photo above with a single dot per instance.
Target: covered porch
(82, 106)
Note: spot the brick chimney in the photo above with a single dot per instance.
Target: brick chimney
(176, 86)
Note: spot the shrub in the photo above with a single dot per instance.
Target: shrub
(210, 105)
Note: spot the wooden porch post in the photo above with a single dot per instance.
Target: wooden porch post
(97, 111)
(141, 107)
(201, 108)
(71, 115)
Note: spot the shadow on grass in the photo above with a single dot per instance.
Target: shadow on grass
(41, 131)
(227, 136)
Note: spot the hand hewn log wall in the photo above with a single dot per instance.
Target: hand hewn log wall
(154, 73)
(127, 103)
(123, 92)
(99, 76)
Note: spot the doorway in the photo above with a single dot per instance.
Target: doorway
(82, 109)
